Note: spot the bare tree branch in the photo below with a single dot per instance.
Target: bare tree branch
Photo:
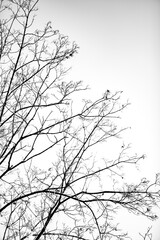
(53, 185)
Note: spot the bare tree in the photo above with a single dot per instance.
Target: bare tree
(147, 235)
(74, 195)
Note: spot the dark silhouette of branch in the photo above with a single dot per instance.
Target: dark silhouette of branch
(53, 185)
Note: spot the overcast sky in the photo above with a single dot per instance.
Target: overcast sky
(119, 44)
(119, 50)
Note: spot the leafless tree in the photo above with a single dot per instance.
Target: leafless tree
(52, 185)
(147, 235)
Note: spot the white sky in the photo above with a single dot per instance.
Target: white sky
(119, 50)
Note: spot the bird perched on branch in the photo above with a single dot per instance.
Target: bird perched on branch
(106, 94)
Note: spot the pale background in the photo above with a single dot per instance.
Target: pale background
(119, 44)
(119, 50)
